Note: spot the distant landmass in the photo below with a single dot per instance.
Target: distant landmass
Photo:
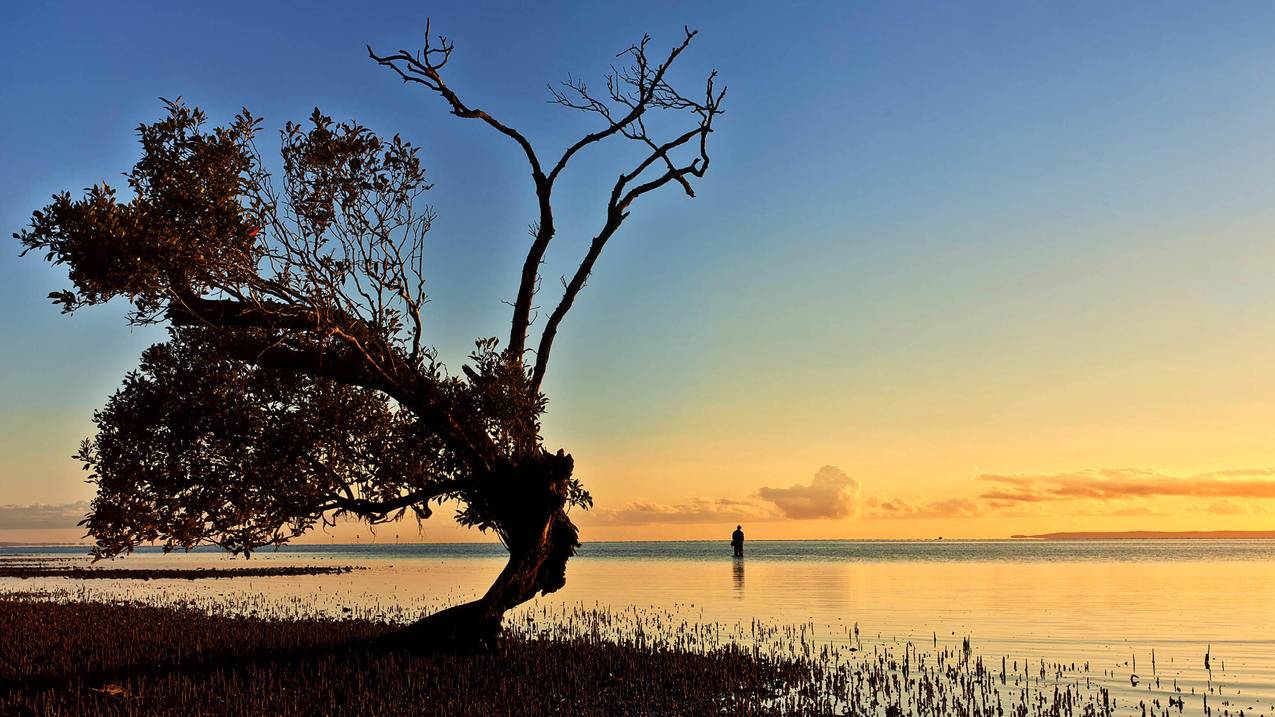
(1158, 535)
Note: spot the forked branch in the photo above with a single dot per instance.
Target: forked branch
(666, 161)
(631, 94)
(424, 68)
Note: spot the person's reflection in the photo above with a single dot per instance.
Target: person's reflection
(738, 574)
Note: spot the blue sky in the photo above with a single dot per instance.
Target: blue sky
(1008, 236)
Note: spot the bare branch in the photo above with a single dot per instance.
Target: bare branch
(639, 88)
(631, 93)
(424, 68)
(650, 90)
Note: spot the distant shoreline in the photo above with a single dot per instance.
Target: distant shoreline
(1156, 535)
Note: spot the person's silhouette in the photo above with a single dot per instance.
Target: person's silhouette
(737, 541)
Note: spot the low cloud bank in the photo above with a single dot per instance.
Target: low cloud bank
(695, 510)
(830, 494)
(1126, 483)
(878, 507)
(41, 517)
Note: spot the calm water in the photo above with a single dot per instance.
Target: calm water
(1106, 603)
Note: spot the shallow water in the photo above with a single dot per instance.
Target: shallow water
(1114, 605)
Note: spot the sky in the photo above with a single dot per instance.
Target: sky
(957, 269)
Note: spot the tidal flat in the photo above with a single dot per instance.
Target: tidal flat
(64, 656)
(665, 629)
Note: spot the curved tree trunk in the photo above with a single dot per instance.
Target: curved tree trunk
(540, 537)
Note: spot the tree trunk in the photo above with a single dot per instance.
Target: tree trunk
(529, 501)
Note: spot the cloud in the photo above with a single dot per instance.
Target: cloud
(1005, 498)
(1229, 507)
(1135, 511)
(695, 510)
(1123, 483)
(39, 516)
(878, 507)
(832, 494)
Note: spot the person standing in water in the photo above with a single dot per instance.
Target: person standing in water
(737, 541)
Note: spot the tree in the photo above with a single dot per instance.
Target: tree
(296, 384)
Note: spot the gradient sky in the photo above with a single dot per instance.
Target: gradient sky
(958, 269)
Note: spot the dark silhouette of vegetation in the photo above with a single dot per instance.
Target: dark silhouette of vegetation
(56, 658)
(158, 658)
(297, 384)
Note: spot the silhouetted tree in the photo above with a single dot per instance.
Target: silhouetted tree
(296, 385)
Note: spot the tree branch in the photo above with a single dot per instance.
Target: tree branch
(414, 391)
(635, 91)
(191, 310)
(652, 90)
(378, 510)
(424, 68)
(646, 97)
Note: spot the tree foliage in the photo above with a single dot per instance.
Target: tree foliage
(257, 456)
(185, 219)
